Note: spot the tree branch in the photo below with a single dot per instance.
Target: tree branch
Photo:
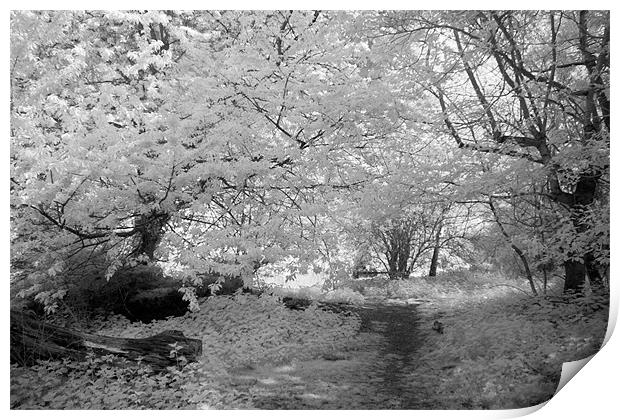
(484, 149)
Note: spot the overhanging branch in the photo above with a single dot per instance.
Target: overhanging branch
(472, 146)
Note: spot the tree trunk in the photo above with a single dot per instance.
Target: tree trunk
(432, 272)
(402, 264)
(594, 270)
(32, 339)
(575, 272)
(151, 228)
(392, 262)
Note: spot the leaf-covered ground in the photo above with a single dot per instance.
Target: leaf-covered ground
(499, 349)
(237, 332)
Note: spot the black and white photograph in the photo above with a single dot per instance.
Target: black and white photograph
(306, 209)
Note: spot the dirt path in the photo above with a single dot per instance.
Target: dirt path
(370, 376)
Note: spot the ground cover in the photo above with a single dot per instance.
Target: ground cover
(499, 348)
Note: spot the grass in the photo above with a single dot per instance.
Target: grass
(500, 348)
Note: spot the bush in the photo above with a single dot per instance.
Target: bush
(342, 295)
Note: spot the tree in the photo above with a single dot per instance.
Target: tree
(215, 142)
(206, 140)
(532, 89)
(407, 238)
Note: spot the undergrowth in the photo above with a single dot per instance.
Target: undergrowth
(237, 331)
(342, 295)
(502, 349)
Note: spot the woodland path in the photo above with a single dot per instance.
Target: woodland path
(375, 374)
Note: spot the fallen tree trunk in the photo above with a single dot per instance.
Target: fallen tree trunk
(32, 339)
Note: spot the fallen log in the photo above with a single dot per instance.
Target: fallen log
(298, 304)
(32, 339)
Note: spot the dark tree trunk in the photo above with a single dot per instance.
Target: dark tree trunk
(151, 228)
(402, 263)
(583, 196)
(432, 272)
(392, 260)
(32, 339)
(575, 273)
(594, 270)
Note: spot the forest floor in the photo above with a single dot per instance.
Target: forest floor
(500, 349)
(373, 375)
